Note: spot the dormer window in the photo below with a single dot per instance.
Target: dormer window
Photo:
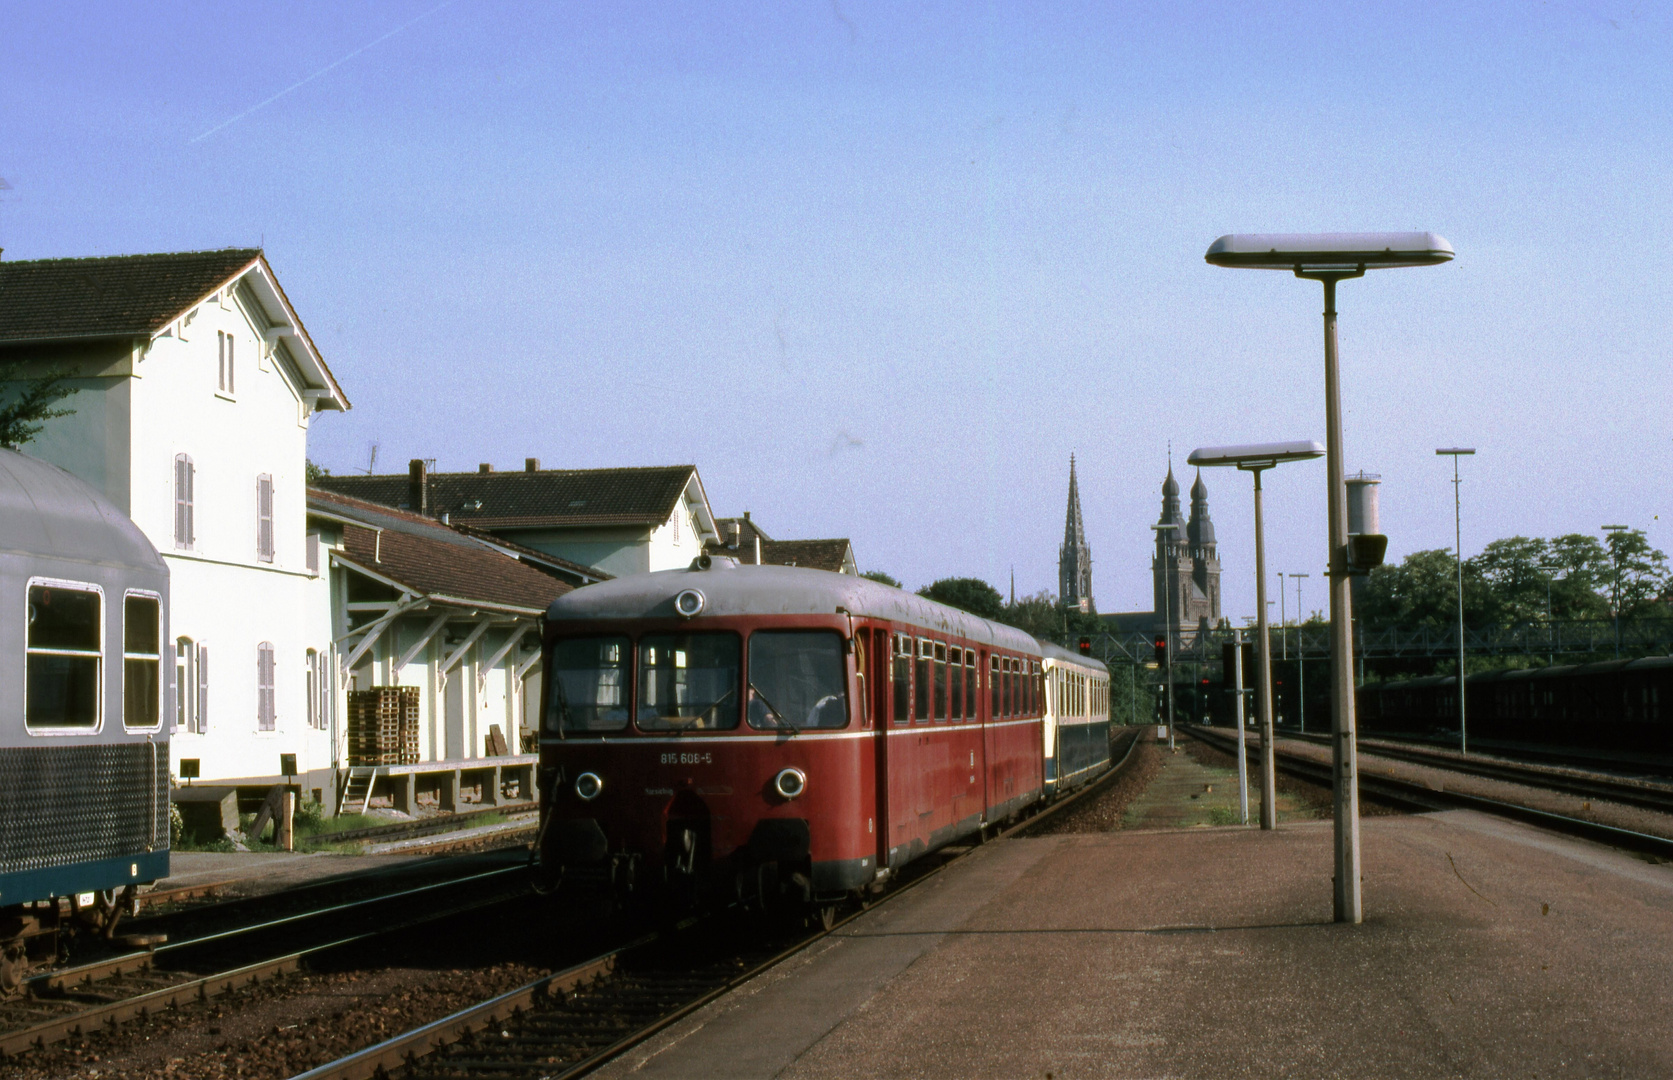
(224, 344)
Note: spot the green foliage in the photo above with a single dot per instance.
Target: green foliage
(311, 472)
(967, 594)
(881, 578)
(26, 405)
(1519, 580)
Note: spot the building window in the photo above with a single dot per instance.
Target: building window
(64, 657)
(265, 716)
(319, 690)
(142, 661)
(312, 553)
(185, 689)
(264, 518)
(224, 342)
(184, 474)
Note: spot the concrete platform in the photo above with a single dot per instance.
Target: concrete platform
(1490, 949)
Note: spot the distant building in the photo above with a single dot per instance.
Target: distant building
(1074, 558)
(1185, 568)
(744, 540)
(197, 386)
(618, 521)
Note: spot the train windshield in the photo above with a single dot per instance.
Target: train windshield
(688, 682)
(797, 680)
(590, 680)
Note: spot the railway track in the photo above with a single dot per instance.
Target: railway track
(1421, 797)
(107, 992)
(568, 1023)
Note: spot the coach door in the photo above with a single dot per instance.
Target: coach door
(878, 690)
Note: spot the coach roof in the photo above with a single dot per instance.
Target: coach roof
(730, 589)
(46, 511)
(1057, 652)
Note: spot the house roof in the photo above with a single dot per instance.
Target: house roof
(141, 296)
(550, 498)
(830, 555)
(432, 560)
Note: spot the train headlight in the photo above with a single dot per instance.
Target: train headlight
(688, 603)
(589, 786)
(790, 783)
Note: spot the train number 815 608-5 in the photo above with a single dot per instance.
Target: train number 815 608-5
(686, 759)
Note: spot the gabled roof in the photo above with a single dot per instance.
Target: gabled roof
(141, 296)
(432, 560)
(830, 555)
(548, 498)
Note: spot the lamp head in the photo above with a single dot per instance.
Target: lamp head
(1329, 252)
(1256, 454)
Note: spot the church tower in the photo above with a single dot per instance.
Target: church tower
(1074, 558)
(1186, 569)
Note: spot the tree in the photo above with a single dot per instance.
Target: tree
(1642, 569)
(26, 405)
(881, 578)
(967, 594)
(312, 473)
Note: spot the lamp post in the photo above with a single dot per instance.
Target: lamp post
(1614, 532)
(1167, 623)
(1456, 452)
(1329, 258)
(1300, 659)
(1550, 631)
(1256, 459)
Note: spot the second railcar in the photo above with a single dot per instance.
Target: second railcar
(774, 733)
(1077, 718)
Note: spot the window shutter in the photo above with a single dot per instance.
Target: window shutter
(231, 389)
(180, 500)
(191, 526)
(264, 518)
(203, 689)
(264, 686)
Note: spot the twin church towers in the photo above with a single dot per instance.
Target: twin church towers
(1185, 567)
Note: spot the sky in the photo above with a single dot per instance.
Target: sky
(879, 269)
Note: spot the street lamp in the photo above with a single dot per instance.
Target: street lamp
(1300, 659)
(1256, 459)
(1614, 532)
(1167, 623)
(1455, 452)
(1329, 258)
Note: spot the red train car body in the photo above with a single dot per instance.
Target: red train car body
(774, 734)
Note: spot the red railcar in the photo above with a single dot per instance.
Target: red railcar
(775, 734)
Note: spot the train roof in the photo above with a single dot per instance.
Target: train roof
(1053, 651)
(1556, 671)
(46, 511)
(731, 589)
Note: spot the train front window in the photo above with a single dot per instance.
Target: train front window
(64, 657)
(797, 680)
(688, 682)
(589, 684)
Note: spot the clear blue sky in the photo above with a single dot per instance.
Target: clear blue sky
(878, 268)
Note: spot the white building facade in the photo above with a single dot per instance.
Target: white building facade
(196, 386)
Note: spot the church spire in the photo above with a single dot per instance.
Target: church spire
(1074, 558)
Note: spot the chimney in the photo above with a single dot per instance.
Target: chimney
(732, 531)
(757, 549)
(484, 468)
(418, 487)
(531, 464)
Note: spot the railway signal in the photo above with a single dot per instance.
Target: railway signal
(1086, 646)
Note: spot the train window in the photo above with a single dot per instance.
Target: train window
(65, 657)
(921, 682)
(956, 682)
(142, 661)
(994, 684)
(1035, 689)
(970, 684)
(860, 674)
(589, 684)
(940, 680)
(903, 678)
(796, 680)
(688, 682)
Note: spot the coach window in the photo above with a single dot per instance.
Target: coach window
(921, 695)
(994, 683)
(797, 680)
(1013, 687)
(970, 684)
(903, 678)
(688, 682)
(142, 661)
(589, 685)
(860, 674)
(64, 657)
(955, 681)
(940, 681)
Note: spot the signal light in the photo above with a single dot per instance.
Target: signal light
(1086, 646)
(1161, 649)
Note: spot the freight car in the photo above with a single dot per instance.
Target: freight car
(1610, 706)
(83, 696)
(786, 737)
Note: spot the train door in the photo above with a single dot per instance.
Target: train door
(902, 788)
(880, 659)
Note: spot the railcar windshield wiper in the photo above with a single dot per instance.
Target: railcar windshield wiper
(782, 721)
